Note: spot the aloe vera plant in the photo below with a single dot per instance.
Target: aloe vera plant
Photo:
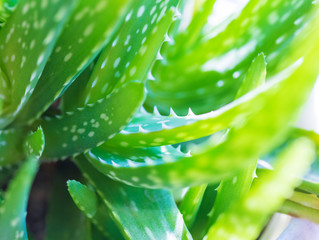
(154, 123)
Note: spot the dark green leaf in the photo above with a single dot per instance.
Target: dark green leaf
(63, 220)
(11, 142)
(93, 208)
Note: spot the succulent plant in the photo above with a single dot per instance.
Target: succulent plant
(157, 123)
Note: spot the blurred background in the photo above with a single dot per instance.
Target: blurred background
(281, 227)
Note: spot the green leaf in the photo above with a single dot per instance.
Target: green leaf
(89, 29)
(255, 77)
(154, 130)
(34, 143)
(83, 197)
(93, 208)
(187, 39)
(191, 203)
(26, 42)
(92, 125)
(159, 167)
(255, 135)
(133, 49)
(232, 189)
(133, 209)
(199, 228)
(310, 181)
(216, 66)
(151, 130)
(246, 218)
(13, 209)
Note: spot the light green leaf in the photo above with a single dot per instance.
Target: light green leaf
(216, 66)
(89, 29)
(232, 189)
(147, 130)
(187, 39)
(256, 135)
(255, 77)
(246, 218)
(191, 203)
(133, 209)
(229, 190)
(26, 42)
(310, 181)
(92, 125)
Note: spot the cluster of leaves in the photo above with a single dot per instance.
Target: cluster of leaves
(147, 99)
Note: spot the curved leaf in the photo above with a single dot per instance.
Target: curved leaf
(13, 209)
(133, 209)
(151, 130)
(88, 30)
(191, 203)
(216, 66)
(232, 189)
(310, 181)
(246, 218)
(261, 133)
(133, 49)
(92, 125)
(26, 42)
(87, 201)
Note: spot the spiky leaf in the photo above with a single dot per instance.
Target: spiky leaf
(93, 124)
(133, 49)
(133, 209)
